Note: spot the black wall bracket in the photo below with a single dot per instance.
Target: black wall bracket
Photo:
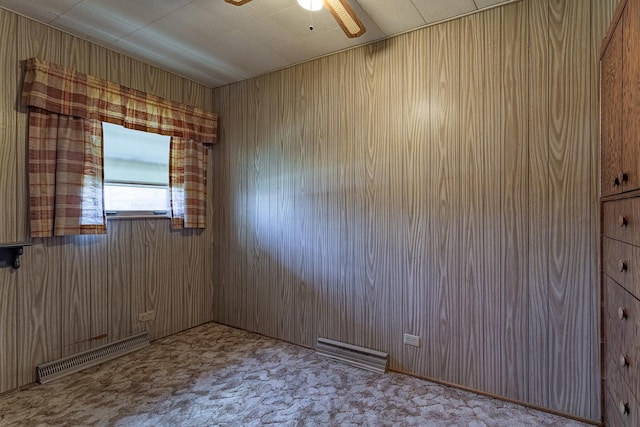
(10, 254)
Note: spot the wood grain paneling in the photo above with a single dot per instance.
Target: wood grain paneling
(538, 197)
(218, 212)
(8, 331)
(440, 183)
(140, 267)
(369, 197)
(383, 275)
(288, 235)
(263, 219)
(255, 162)
(495, 173)
(110, 65)
(478, 193)
(197, 277)
(302, 178)
(572, 214)
(442, 272)
(511, 318)
(120, 260)
(75, 288)
(9, 175)
(73, 52)
(409, 171)
(346, 202)
(326, 214)
(160, 282)
(39, 308)
(99, 290)
(322, 238)
(236, 260)
(73, 293)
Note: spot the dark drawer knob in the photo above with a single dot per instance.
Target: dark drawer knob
(622, 265)
(622, 313)
(624, 408)
(625, 177)
(624, 362)
(616, 181)
(622, 220)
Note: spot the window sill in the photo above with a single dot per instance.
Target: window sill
(137, 215)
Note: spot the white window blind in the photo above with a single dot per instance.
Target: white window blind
(135, 157)
(136, 170)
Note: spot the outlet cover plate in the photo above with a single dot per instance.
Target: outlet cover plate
(412, 340)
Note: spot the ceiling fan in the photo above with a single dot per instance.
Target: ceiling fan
(341, 11)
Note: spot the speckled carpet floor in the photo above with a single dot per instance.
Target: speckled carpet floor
(214, 375)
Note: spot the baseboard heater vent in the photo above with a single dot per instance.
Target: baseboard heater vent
(68, 365)
(361, 357)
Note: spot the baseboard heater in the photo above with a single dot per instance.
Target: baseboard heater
(68, 365)
(361, 357)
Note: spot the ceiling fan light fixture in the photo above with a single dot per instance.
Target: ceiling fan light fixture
(312, 5)
(340, 9)
(346, 17)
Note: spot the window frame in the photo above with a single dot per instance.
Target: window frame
(112, 214)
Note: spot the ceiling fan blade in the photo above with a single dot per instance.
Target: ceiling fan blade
(346, 17)
(238, 2)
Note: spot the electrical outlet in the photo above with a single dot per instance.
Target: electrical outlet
(413, 340)
(147, 316)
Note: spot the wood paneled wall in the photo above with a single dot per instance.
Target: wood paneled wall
(441, 183)
(75, 293)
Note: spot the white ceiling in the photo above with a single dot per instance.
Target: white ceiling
(215, 43)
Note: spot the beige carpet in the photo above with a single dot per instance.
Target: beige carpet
(215, 375)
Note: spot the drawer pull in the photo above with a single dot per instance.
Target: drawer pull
(622, 313)
(624, 362)
(625, 177)
(616, 181)
(622, 264)
(622, 220)
(624, 408)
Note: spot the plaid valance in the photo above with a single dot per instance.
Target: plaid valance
(65, 91)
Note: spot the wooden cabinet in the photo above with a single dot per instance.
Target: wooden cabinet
(620, 102)
(611, 114)
(621, 312)
(631, 95)
(620, 198)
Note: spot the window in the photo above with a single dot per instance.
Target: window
(136, 172)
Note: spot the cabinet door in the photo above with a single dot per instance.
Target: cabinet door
(611, 114)
(631, 96)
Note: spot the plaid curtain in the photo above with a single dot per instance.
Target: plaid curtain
(65, 175)
(188, 183)
(65, 91)
(52, 90)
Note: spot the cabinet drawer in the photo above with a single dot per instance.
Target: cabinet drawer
(622, 334)
(621, 262)
(616, 307)
(622, 400)
(611, 412)
(624, 355)
(621, 220)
